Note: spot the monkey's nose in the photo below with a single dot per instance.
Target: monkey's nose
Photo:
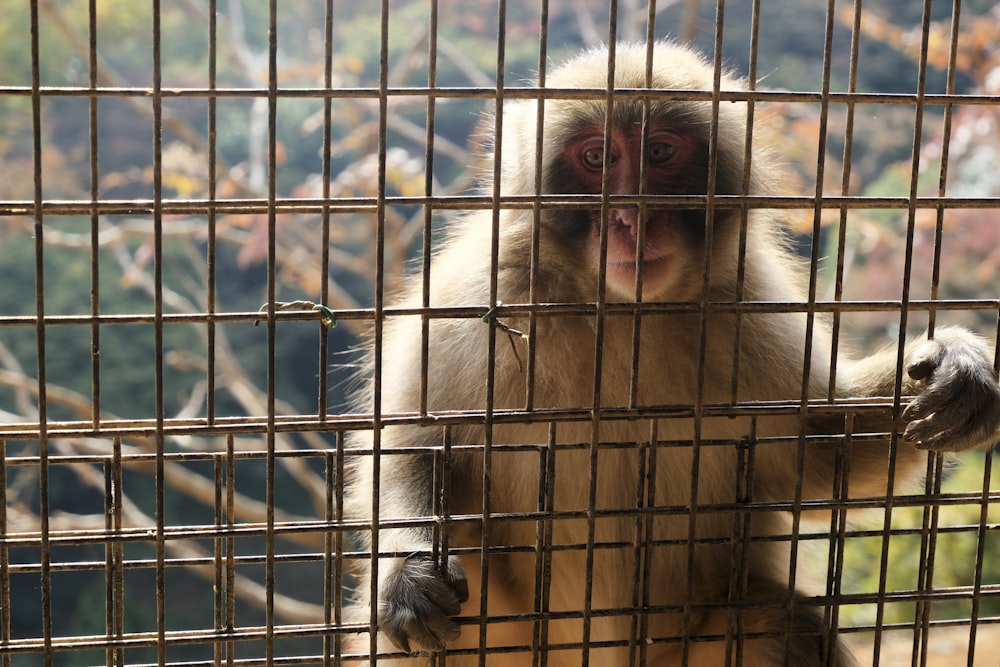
(626, 217)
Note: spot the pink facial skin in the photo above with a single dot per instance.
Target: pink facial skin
(671, 164)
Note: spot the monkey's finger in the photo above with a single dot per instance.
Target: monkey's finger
(456, 579)
(953, 388)
(422, 588)
(958, 415)
(956, 432)
(925, 405)
(445, 601)
(932, 417)
(935, 399)
(404, 625)
(396, 635)
(947, 442)
(927, 434)
(418, 621)
(419, 604)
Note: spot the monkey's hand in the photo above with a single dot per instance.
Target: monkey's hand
(957, 407)
(418, 602)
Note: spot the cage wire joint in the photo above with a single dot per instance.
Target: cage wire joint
(327, 317)
(512, 333)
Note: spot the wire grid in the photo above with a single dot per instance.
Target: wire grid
(254, 620)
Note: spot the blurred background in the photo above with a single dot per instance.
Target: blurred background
(100, 147)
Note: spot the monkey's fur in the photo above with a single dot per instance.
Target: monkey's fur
(727, 598)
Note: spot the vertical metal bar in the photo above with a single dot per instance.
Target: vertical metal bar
(230, 547)
(745, 189)
(157, 100)
(750, 466)
(741, 523)
(948, 109)
(735, 621)
(487, 526)
(5, 611)
(642, 528)
(377, 314)
(118, 549)
(536, 210)
(981, 536)
(439, 501)
(324, 337)
(211, 276)
(112, 564)
(845, 189)
(333, 553)
(699, 398)
(931, 515)
(333, 545)
(95, 264)
(642, 213)
(983, 527)
(649, 502)
(219, 545)
(109, 561)
(272, 287)
(441, 542)
(339, 564)
(838, 519)
(547, 454)
(810, 312)
(600, 320)
(928, 548)
(903, 321)
(109, 565)
(838, 535)
(40, 331)
(543, 548)
(428, 230)
(640, 545)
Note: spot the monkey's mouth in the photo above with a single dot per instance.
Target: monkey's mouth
(658, 256)
(621, 274)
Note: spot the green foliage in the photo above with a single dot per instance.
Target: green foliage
(962, 529)
(68, 347)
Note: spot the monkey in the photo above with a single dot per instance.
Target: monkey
(594, 507)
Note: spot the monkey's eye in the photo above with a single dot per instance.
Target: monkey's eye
(661, 152)
(594, 158)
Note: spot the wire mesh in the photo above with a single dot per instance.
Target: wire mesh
(174, 458)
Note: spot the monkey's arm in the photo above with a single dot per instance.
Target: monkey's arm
(418, 593)
(956, 404)
(414, 591)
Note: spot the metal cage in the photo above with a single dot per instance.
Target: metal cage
(196, 237)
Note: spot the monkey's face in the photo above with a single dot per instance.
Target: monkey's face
(659, 244)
